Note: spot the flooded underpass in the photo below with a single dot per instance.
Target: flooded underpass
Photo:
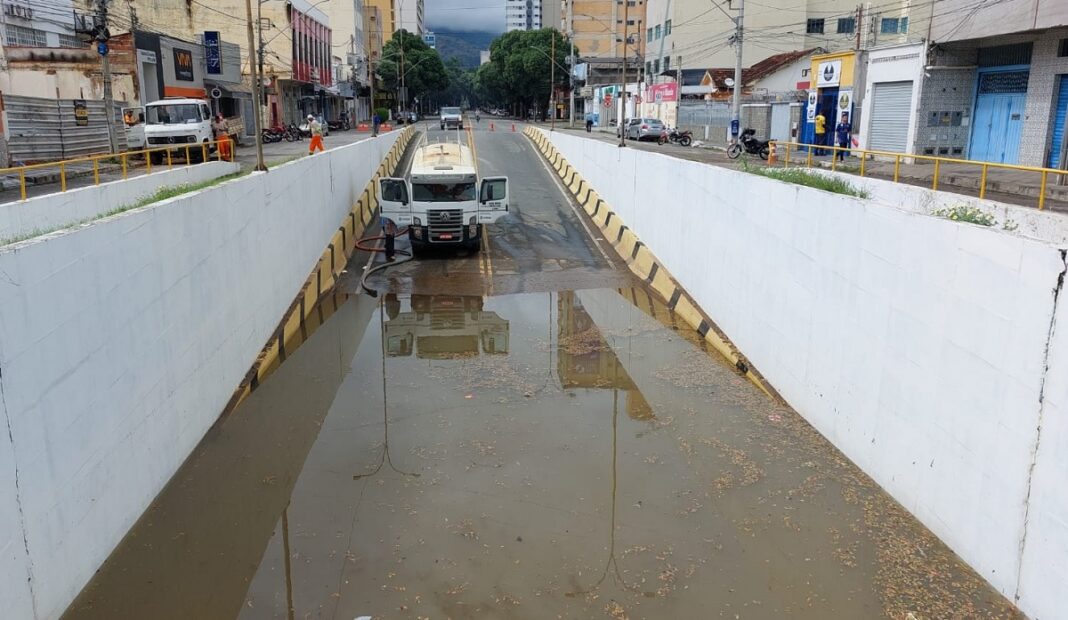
(522, 433)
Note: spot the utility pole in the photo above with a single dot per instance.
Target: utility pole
(102, 36)
(571, 56)
(259, 47)
(860, 20)
(552, 79)
(736, 107)
(256, 89)
(622, 124)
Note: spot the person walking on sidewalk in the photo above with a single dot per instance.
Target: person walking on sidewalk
(315, 128)
(222, 137)
(842, 131)
(821, 131)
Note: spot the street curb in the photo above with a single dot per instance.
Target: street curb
(643, 263)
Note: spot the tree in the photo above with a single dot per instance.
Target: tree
(424, 72)
(520, 68)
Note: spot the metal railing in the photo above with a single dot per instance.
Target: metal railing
(164, 156)
(864, 155)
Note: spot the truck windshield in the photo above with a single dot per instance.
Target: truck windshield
(173, 114)
(443, 192)
(450, 111)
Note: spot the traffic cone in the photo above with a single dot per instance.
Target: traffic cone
(772, 158)
(513, 127)
(491, 127)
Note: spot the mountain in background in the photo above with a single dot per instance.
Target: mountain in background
(463, 46)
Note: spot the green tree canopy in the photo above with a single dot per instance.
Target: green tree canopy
(520, 68)
(423, 70)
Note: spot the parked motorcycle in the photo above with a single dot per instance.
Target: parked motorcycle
(292, 134)
(683, 138)
(272, 134)
(750, 144)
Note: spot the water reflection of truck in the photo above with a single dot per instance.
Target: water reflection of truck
(446, 327)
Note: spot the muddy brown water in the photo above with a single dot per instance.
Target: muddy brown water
(570, 454)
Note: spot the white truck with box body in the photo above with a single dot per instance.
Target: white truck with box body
(452, 118)
(443, 202)
(173, 124)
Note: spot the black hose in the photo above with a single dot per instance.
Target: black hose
(363, 281)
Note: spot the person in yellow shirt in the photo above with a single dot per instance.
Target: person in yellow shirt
(821, 131)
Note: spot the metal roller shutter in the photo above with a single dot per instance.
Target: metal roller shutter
(890, 113)
(1060, 120)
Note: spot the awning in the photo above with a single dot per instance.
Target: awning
(228, 88)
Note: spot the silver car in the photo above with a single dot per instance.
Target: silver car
(644, 128)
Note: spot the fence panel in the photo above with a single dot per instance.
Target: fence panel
(46, 129)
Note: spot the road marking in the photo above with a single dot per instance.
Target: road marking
(571, 203)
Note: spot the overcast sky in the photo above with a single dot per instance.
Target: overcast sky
(465, 15)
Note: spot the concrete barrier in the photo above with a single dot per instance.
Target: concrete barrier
(121, 342)
(926, 350)
(51, 211)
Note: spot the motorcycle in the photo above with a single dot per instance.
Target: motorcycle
(272, 134)
(291, 133)
(683, 138)
(750, 144)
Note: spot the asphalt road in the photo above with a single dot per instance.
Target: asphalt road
(526, 433)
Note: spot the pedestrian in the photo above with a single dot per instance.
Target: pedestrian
(389, 231)
(589, 124)
(821, 131)
(315, 128)
(222, 138)
(842, 131)
(376, 120)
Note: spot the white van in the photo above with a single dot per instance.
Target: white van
(176, 123)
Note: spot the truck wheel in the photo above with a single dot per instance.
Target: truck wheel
(196, 154)
(156, 158)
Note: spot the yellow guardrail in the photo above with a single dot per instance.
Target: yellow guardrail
(162, 154)
(864, 155)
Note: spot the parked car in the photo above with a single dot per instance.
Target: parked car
(644, 128)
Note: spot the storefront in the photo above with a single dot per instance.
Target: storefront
(836, 91)
(894, 81)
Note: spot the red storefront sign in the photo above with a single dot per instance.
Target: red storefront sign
(662, 93)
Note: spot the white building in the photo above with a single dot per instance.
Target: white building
(483, 57)
(410, 16)
(522, 15)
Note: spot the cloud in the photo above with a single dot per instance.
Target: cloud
(465, 15)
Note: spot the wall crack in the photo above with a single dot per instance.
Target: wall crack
(18, 496)
(1038, 429)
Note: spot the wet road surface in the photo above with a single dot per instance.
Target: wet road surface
(521, 433)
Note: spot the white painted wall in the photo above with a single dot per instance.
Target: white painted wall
(121, 342)
(917, 345)
(898, 63)
(68, 208)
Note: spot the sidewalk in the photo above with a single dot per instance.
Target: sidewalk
(1010, 186)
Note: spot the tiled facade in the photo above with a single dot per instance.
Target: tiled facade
(1046, 68)
(949, 90)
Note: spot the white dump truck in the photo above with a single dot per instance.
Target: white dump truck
(443, 202)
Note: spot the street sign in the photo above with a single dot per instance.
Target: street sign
(81, 113)
(102, 48)
(734, 127)
(212, 52)
(216, 93)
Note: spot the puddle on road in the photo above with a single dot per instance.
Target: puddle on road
(541, 455)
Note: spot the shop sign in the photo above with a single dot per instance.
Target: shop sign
(183, 65)
(212, 52)
(829, 74)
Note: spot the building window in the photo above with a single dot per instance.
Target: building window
(648, 67)
(667, 62)
(656, 66)
(847, 25)
(66, 40)
(667, 27)
(894, 25)
(656, 32)
(649, 35)
(24, 37)
(814, 26)
(1062, 49)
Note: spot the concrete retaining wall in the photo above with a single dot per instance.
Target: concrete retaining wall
(68, 208)
(925, 349)
(121, 342)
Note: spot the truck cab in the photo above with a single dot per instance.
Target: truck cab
(176, 123)
(443, 202)
(452, 118)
